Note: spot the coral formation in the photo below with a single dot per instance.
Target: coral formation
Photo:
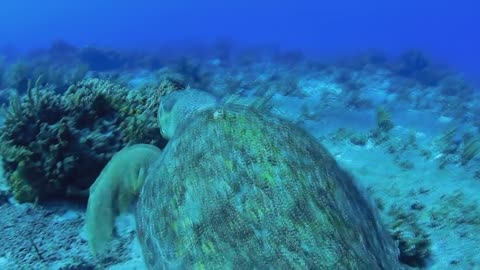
(384, 122)
(56, 144)
(457, 149)
(414, 243)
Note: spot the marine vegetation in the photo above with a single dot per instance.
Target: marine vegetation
(55, 145)
(471, 149)
(457, 148)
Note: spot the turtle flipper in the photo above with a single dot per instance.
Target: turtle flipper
(114, 190)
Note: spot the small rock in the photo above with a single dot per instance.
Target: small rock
(359, 139)
(423, 190)
(417, 206)
(68, 215)
(3, 196)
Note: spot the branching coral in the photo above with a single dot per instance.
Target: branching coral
(54, 143)
(384, 119)
(414, 243)
(461, 150)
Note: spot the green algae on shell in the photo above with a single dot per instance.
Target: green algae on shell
(239, 189)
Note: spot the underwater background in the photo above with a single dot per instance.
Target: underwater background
(390, 88)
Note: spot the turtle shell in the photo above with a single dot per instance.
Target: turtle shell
(239, 189)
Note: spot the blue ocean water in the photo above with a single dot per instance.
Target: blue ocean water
(442, 29)
(389, 88)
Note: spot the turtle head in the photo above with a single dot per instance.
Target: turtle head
(179, 105)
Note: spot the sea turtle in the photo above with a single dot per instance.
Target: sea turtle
(237, 188)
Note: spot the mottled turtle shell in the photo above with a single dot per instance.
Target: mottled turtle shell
(239, 189)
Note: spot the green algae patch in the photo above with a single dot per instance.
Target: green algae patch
(236, 188)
